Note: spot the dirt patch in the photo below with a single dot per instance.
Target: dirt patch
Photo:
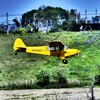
(48, 94)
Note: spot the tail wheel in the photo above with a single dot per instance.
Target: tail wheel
(64, 61)
(16, 53)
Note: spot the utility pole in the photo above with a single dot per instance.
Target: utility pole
(85, 16)
(96, 12)
(7, 18)
(7, 23)
(76, 17)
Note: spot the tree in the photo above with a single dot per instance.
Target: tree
(67, 25)
(16, 22)
(28, 16)
(74, 16)
(48, 13)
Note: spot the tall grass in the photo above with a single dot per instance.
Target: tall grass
(17, 72)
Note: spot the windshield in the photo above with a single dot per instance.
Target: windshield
(54, 48)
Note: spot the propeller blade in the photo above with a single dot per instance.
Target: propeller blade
(78, 54)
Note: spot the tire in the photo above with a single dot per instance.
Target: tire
(16, 53)
(65, 61)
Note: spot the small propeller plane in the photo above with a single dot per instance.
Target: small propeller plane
(54, 48)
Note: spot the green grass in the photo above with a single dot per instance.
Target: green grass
(20, 71)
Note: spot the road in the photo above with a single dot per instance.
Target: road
(48, 94)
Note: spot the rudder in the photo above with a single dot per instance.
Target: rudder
(18, 44)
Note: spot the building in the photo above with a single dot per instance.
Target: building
(96, 19)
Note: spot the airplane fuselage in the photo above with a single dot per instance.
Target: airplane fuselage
(57, 49)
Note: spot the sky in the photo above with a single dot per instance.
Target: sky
(14, 7)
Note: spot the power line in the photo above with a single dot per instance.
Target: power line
(11, 15)
(15, 14)
(22, 14)
(91, 14)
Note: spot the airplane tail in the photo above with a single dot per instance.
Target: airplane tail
(19, 45)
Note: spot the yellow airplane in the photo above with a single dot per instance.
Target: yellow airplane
(54, 48)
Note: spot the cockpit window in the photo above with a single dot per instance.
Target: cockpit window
(55, 45)
(56, 48)
(65, 47)
(53, 48)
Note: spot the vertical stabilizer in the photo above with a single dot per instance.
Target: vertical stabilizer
(18, 44)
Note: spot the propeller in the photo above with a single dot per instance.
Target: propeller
(78, 54)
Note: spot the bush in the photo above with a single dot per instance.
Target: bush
(54, 29)
(19, 31)
(2, 31)
(15, 32)
(60, 78)
(22, 30)
(43, 78)
(67, 25)
(97, 80)
(28, 27)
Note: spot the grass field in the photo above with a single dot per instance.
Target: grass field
(26, 70)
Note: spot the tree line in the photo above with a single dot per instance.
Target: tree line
(60, 18)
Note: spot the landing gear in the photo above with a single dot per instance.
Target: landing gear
(64, 61)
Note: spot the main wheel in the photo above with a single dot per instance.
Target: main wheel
(64, 61)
